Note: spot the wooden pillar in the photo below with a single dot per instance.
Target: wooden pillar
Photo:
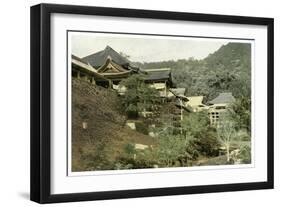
(78, 74)
(110, 84)
(181, 102)
(166, 89)
(93, 80)
(85, 77)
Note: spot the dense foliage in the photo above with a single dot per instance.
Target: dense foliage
(138, 97)
(227, 69)
(204, 136)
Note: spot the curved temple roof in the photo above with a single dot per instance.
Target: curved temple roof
(223, 98)
(98, 59)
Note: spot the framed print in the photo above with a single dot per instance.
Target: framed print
(133, 103)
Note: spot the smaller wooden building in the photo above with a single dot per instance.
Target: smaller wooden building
(196, 103)
(218, 106)
(160, 79)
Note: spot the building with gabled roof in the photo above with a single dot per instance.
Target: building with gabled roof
(111, 64)
(223, 98)
(196, 103)
(115, 67)
(98, 59)
(84, 71)
(218, 106)
(160, 79)
(113, 71)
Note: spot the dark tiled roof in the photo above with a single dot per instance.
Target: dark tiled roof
(158, 75)
(78, 58)
(99, 58)
(223, 98)
(108, 61)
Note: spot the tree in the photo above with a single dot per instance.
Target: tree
(170, 148)
(204, 140)
(226, 131)
(195, 123)
(130, 149)
(227, 69)
(245, 154)
(241, 112)
(138, 97)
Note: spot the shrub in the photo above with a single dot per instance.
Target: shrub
(139, 96)
(141, 161)
(207, 143)
(142, 128)
(245, 154)
(204, 139)
(129, 149)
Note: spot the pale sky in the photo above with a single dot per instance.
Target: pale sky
(145, 48)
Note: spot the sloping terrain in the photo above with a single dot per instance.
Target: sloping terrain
(99, 133)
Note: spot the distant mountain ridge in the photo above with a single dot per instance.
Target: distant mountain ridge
(226, 70)
(231, 56)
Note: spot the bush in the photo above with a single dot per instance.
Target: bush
(142, 128)
(170, 149)
(220, 160)
(93, 161)
(129, 149)
(245, 154)
(207, 143)
(204, 139)
(138, 96)
(132, 114)
(141, 161)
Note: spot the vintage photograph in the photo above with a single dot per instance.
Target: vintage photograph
(158, 101)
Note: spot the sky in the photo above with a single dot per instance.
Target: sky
(145, 48)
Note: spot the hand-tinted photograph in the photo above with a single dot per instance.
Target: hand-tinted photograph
(152, 101)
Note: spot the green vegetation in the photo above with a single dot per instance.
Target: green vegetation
(226, 134)
(204, 136)
(241, 113)
(108, 144)
(142, 127)
(227, 69)
(245, 154)
(139, 97)
(170, 149)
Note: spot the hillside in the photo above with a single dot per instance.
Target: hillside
(229, 69)
(226, 70)
(231, 57)
(104, 138)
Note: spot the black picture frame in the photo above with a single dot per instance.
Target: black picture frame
(41, 102)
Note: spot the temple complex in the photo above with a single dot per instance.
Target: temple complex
(107, 68)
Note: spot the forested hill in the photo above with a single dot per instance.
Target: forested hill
(233, 57)
(226, 70)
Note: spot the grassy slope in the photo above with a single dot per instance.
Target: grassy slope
(106, 129)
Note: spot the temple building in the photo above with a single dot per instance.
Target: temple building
(195, 103)
(160, 79)
(108, 68)
(84, 71)
(218, 106)
(111, 65)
